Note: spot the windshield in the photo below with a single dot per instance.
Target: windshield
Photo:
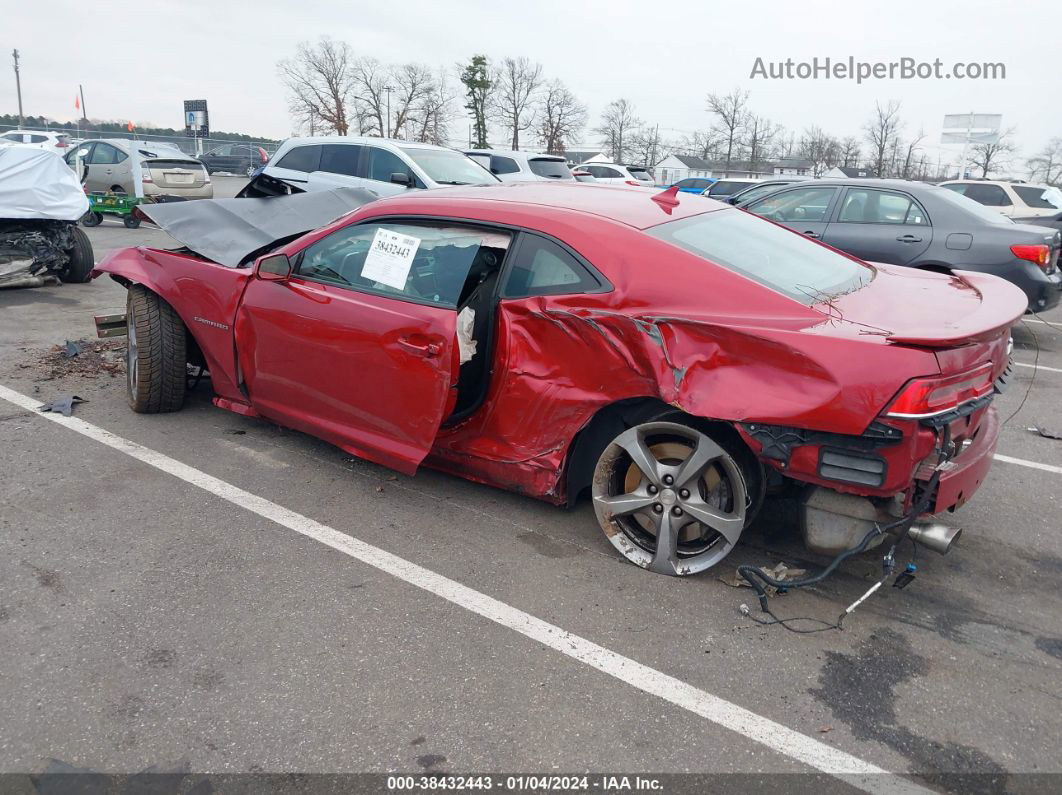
(947, 193)
(1040, 198)
(726, 187)
(447, 167)
(767, 253)
(549, 167)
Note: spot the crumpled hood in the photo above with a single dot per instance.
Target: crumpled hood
(230, 231)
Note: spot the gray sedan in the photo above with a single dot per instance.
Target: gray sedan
(921, 226)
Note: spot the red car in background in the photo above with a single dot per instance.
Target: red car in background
(672, 356)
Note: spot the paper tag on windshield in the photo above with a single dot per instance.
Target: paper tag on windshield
(390, 257)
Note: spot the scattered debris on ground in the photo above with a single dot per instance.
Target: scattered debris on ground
(782, 571)
(84, 358)
(62, 405)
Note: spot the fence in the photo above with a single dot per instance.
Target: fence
(182, 142)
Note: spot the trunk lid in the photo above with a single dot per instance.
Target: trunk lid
(933, 310)
(176, 173)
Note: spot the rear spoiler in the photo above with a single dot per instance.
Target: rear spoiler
(1002, 304)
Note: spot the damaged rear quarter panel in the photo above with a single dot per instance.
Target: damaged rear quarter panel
(719, 347)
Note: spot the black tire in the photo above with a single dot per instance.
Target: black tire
(91, 219)
(156, 358)
(80, 260)
(131, 222)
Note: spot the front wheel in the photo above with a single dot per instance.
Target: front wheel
(91, 219)
(156, 357)
(79, 259)
(131, 222)
(670, 498)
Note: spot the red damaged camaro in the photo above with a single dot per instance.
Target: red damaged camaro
(675, 358)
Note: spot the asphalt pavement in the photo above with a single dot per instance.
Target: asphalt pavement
(151, 617)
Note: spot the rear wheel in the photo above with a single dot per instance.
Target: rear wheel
(80, 260)
(156, 357)
(670, 498)
(131, 222)
(249, 171)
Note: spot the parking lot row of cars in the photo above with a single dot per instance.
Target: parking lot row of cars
(963, 224)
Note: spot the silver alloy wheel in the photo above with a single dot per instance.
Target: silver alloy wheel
(131, 369)
(669, 498)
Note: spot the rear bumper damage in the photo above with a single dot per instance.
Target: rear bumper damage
(856, 482)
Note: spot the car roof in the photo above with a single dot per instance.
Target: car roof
(628, 205)
(894, 184)
(1011, 182)
(519, 155)
(361, 139)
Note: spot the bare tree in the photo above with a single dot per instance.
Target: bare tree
(646, 146)
(411, 84)
(703, 144)
(561, 118)
(618, 122)
(820, 149)
(908, 161)
(370, 84)
(731, 113)
(479, 87)
(759, 133)
(881, 133)
(993, 156)
(849, 151)
(319, 79)
(1046, 165)
(517, 82)
(431, 117)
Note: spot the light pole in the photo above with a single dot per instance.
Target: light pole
(18, 87)
(388, 89)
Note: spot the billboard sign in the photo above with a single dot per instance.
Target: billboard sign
(196, 118)
(973, 128)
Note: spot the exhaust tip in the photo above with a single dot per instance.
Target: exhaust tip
(934, 535)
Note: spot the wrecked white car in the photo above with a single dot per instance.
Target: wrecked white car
(41, 201)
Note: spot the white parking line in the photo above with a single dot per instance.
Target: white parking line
(1006, 459)
(775, 736)
(1037, 367)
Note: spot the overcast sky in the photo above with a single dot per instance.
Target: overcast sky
(141, 61)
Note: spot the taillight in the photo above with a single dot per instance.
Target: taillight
(927, 397)
(632, 182)
(145, 174)
(61, 144)
(1040, 254)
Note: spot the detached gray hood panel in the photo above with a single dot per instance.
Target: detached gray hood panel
(228, 231)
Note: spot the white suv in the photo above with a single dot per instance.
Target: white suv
(384, 167)
(510, 166)
(616, 174)
(53, 142)
(1013, 199)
